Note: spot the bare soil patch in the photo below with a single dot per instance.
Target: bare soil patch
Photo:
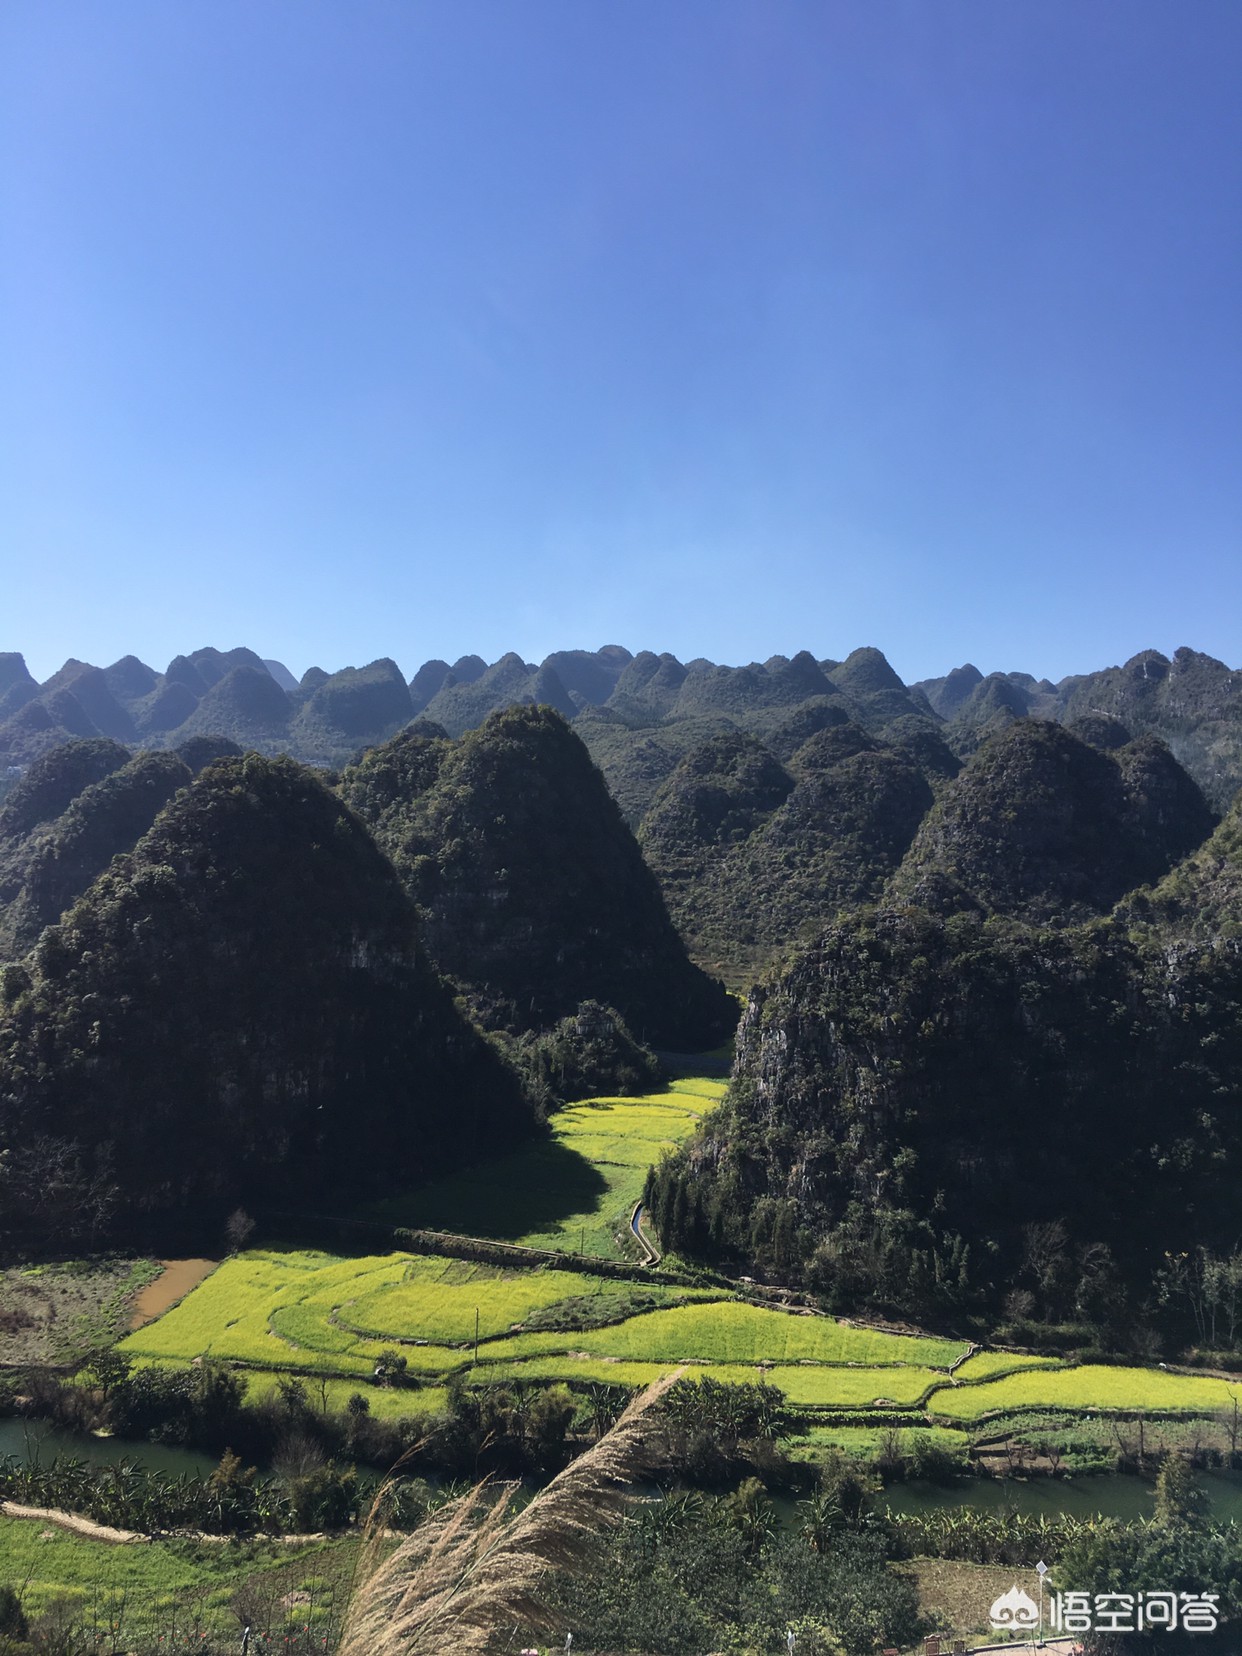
(174, 1282)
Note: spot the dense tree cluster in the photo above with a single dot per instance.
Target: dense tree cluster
(1046, 827)
(959, 1100)
(583, 1056)
(238, 1011)
(533, 892)
(753, 855)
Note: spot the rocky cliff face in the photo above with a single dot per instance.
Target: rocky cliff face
(996, 1051)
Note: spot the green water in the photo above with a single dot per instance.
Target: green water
(36, 1441)
(1111, 1495)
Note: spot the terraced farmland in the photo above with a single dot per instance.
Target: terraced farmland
(318, 1313)
(990, 1365)
(1093, 1386)
(731, 1332)
(321, 1315)
(330, 1318)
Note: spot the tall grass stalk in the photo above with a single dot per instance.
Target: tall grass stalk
(475, 1571)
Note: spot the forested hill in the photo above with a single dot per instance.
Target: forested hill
(236, 980)
(959, 1099)
(533, 891)
(238, 1011)
(991, 928)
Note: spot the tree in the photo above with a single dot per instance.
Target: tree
(108, 1367)
(238, 1229)
(1180, 1501)
(390, 1367)
(1045, 1259)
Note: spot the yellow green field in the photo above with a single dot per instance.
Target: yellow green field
(321, 1315)
(329, 1318)
(867, 1440)
(574, 1191)
(316, 1312)
(990, 1365)
(808, 1385)
(1093, 1386)
(729, 1331)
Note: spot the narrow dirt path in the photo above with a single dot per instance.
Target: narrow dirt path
(650, 1256)
(69, 1521)
(92, 1531)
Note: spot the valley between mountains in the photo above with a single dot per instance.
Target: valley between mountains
(513, 1036)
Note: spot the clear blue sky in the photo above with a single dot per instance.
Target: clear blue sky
(728, 327)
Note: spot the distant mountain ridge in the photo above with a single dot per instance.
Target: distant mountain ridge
(639, 715)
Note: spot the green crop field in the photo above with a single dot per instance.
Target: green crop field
(1094, 1386)
(732, 1332)
(329, 1318)
(163, 1584)
(808, 1385)
(427, 1306)
(990, 1365)
(315, 1312)
(384, 1402)
(865, 1441)
(574, 1191)
(229, 1316)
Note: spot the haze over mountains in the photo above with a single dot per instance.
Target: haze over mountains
(765, 796)
(638, 714)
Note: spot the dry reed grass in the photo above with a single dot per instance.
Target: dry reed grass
(471, 1578)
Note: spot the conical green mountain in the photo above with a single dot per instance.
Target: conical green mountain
(753, 856)
(238, 1011)
(1043, 826)
(61, 858)
(534, 893)
(54, 781)
(991, 1063)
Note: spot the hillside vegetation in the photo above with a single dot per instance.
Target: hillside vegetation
(961, 1098)
(533, 892)
(196, 1028)
(655, 727)
(987, 925)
